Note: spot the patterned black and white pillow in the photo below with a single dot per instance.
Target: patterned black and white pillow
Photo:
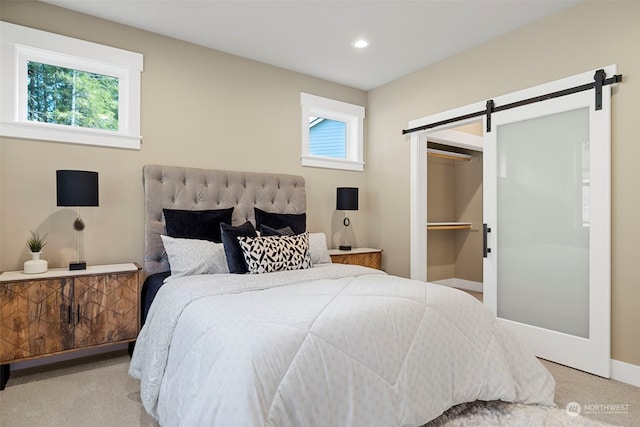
(267, 254)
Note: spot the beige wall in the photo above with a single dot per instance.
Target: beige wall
(582, 38)
(454, 193)
(200, 108)
(441, 207)
(469, 209)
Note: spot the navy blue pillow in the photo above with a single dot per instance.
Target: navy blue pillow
(297, 222)
(202, 225)
(232, 249)
(150, 288)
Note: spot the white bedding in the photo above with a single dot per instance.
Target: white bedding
(335, 345)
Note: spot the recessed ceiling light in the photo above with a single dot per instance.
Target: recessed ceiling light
(360, 43)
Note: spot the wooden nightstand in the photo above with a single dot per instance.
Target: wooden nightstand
(367, 257)
(60, 311)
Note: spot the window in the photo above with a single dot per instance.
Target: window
(57, 88)
(331, 133)
(71, 97)
(327, 137)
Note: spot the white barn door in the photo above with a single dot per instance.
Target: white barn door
(547, 205)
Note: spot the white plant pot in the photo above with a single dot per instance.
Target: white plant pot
(35, 264)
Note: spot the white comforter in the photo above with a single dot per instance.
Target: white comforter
(335, 345)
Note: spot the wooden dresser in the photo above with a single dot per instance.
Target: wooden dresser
(367, 257)
(61, 311)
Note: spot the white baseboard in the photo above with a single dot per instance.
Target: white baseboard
(454, 282)
(625, 372)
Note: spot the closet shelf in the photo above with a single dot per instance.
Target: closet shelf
(448, 225)
(450, 155)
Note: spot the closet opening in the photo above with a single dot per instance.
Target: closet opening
(454, 208)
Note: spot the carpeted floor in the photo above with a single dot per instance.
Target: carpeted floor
(97, 391)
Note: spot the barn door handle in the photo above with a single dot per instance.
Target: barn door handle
(485, 250)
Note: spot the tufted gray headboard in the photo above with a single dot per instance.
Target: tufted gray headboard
(173, 187)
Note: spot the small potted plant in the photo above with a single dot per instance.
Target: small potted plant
(35, 245)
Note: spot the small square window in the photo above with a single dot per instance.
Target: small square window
(331, 133)
(327, 137)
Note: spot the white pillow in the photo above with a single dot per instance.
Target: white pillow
(318, 248)
(192, 256)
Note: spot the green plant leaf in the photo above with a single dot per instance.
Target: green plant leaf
(36, 243)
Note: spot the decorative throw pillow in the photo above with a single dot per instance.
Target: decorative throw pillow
(230, 234)
(318, 249)
(201, 225)
(297, 222)
(191, 256)
(276, 253)
(268, 231)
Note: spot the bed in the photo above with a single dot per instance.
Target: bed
(319, 344)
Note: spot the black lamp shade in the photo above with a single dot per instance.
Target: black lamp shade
(77, 188)
(347, 199)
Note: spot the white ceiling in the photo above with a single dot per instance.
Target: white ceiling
(314, 36)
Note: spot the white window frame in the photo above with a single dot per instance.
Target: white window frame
(22, 44)
(351, 114)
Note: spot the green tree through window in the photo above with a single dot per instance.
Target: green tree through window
(71, 97)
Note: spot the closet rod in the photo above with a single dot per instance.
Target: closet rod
(449, 155)
(599, 81)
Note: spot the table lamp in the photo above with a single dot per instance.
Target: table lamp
(77, 188)
(346, 200)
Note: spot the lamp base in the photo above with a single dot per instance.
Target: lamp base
(344, 248)
(78, 265)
